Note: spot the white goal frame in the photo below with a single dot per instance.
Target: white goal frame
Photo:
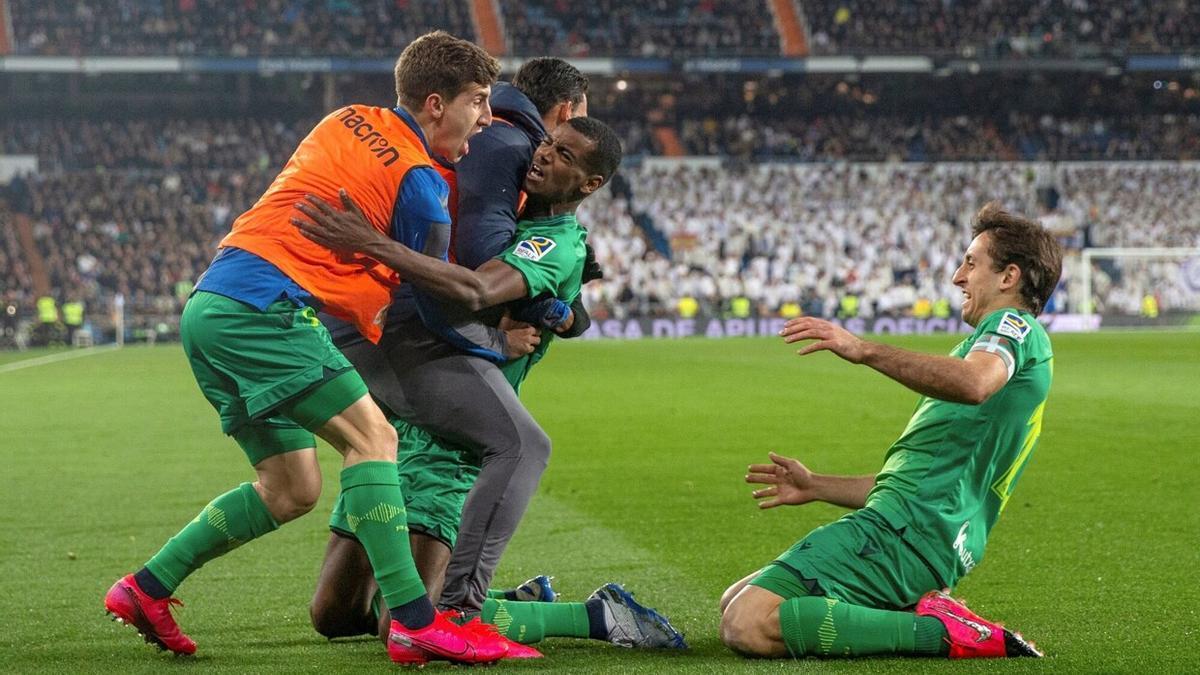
(1085, 274)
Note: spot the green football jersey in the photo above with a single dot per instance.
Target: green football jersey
(950, 474)
(549, 253)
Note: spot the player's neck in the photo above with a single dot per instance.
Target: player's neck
(536, 208)
(1004, 302)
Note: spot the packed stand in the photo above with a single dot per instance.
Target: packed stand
(379, 28)
(137, 208)
(144, 235)
(1011, 27)
(945, 138)
(656, 28)
(890, 235)
(150, 144)
(262, 142)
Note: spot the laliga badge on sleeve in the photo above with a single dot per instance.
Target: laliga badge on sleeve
(534, 248)
(1013, 326)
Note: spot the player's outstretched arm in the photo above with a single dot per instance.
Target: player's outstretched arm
(971, 380)
(791, 483)
(348, 231)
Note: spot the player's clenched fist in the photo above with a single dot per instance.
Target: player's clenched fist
(827, 335)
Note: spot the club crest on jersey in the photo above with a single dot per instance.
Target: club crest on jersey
(1013, 326)
(534, 248)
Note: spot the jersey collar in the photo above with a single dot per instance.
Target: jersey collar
(412, 124)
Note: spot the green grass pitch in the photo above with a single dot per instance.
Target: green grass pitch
(1096, 557)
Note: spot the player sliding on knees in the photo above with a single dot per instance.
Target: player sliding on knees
(268, 366)
(871, 583)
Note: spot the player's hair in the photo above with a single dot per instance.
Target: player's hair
(439, 63)
(548, 81)
(1026, 244)
(604, 159)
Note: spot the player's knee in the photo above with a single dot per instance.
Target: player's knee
(304, 495)
(381, 441)
(326, 620)
(290, 496)
(727, 596)
(536, 444)
(744, 632)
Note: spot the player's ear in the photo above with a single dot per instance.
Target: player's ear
(1011, 277)
(435, 105)
(592, 184)
(564, 112)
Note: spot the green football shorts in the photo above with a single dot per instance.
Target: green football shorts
(435, 477)
(858, 559)
(274, 376)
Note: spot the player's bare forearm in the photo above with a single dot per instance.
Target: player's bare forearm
(451, 282)
(971, 380)
(846, 491)
(941, 377)
(349, 231)
(789, 482)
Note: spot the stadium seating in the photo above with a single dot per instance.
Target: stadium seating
(999, 28)
(886, 233)
(137, 207)
(657, 28)
(218, 28)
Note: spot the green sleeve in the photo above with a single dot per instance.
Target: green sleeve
(1007, 334)
(546, 265)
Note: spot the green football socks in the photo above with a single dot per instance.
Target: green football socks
(529, 622)
(375, 511)
(227, 522)
(818, 626)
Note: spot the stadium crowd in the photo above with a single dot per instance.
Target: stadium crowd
(135, 204)
(885, 234)
(262, 142)
(945, 138)
(777, 238)
(657, 28)
(1012, 27)
(217, 28)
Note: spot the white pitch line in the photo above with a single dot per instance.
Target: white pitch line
(55, 358)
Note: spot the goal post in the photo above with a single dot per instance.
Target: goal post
(1170, 275)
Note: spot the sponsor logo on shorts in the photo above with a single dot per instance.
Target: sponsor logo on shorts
(534, 248)
(960, 547)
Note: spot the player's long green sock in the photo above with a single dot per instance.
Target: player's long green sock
(529, 622)
(375, 511)
(816, 626)
(227, 522)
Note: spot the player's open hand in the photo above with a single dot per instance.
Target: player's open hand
(787, 480)
(520, 338)
(344, 231)
(826, 335)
